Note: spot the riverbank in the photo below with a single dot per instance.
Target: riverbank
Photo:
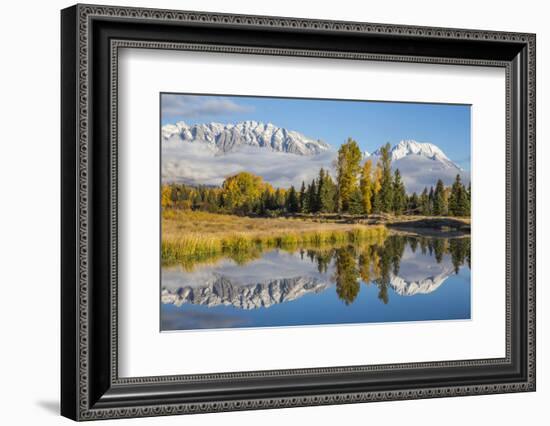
(200, 234)
(443, 223)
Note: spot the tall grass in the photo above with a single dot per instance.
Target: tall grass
(182, 241)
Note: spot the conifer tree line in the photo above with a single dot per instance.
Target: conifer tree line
(359, 189)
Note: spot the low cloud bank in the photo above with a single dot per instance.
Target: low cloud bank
(196, 164)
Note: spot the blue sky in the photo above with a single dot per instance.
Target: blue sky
(371, 124)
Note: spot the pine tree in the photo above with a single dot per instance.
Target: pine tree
(399, 194)
(413, 204)
(469, 198)
(347, 167)
(292, 204)
(311, 197)
(356, 205)
(386, 190)
(320, 184)
(463, 202)
(327, 193)
(265, 201)
(458, 200)
(302, 198)
(440, 203)
(366, 186)
(431, 199)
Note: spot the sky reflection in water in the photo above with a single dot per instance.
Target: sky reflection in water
(403, 279)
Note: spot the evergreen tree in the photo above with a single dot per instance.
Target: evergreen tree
(356, 205)
(458, 199)
(366, 186)
(302, 198)
(265, 202)
(386, 189)
(431, 199)
(292, 204)
(469, 198)
(311, 197)
(320, 184)
(463, 202)
(327, 194)
(399, 194)
(347, 168)
(440, 203)
(413, 205)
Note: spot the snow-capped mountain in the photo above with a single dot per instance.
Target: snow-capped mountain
(422, 164)
(423, 149)
(223, 291)
(225, 138)
(411, 287)
(420, 274)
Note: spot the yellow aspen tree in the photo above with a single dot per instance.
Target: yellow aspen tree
(166, 196)
(366, 186)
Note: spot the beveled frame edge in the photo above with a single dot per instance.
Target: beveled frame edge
(75, 200)
(116, 45)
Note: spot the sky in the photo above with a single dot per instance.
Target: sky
(371, 124)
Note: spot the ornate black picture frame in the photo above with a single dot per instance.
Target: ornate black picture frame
(90, 38)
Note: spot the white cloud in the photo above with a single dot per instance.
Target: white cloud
(195, 163)
(193, 106)
(419, 172)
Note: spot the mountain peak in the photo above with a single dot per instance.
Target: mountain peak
(412, 147)
(225, 138)
(408, 147)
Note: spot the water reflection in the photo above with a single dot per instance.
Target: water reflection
(315, 279)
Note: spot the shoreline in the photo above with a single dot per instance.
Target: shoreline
(187, 234)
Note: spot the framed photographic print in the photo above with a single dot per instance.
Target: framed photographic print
(263, 212)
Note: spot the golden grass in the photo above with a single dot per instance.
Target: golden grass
(204, 235)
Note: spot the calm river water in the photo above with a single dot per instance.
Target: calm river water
(402, 279)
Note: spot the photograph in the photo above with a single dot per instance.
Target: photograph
(273, 208)
(280, 212)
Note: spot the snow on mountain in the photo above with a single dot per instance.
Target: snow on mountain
(199, 154)
(225, 138)
(408, 287)
(423, 149)
(422, 164)
(276, 277)
(223, 291)
(280, 277)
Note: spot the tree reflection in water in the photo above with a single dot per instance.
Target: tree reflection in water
(406, 264)
(376, 264)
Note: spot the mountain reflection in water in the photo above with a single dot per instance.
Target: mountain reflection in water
(333, 285)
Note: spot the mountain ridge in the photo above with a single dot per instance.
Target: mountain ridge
(206, 153)
(226, 138)
(408, 147)
(263, 294)
(421, 164)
